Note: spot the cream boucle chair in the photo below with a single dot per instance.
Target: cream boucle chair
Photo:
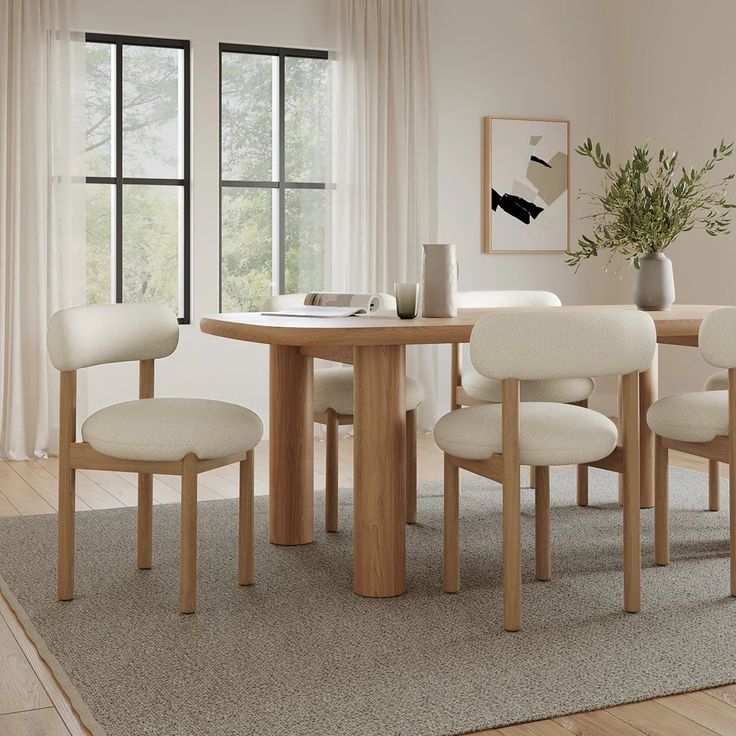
(470, 388)
(332, 404)
(699, 423)
(716, 382)
(494, 440)
(182, 437)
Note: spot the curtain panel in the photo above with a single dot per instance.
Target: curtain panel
(41, 210)
(385, 157)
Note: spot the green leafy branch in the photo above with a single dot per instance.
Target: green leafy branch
(644, 207)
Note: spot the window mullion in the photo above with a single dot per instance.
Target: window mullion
(118, 172)
(282, 175)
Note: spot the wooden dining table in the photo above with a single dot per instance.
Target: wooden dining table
(376, 346)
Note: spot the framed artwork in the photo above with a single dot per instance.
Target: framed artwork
(526, 177)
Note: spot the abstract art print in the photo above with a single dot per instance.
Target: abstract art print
(525, 185)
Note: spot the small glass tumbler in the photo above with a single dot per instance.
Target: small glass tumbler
(407, 298)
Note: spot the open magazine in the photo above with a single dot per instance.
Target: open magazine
(332, 304)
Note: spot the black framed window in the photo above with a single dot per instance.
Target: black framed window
(275, 112)
(138, 171)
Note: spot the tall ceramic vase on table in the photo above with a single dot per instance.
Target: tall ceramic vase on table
(439, 280)
(654, 290)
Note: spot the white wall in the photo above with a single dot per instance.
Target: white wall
(204, 365)
(527, 58)
(548, 58)
(674, 88)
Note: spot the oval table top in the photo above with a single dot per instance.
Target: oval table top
(679, 325)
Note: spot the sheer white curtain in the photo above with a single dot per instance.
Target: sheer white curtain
(385, 170)
(41, 210)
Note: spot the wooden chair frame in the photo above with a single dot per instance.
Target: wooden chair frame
(459, 397)
(333, 421)
(505, 468)
(75, 456)
(719, 450)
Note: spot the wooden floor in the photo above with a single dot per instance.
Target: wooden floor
(33, 704)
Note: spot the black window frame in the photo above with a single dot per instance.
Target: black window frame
(118, 181)
(281, 184)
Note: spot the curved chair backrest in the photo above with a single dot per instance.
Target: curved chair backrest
(717, 338)
(569, 343)
(480, 299)
(80, 337)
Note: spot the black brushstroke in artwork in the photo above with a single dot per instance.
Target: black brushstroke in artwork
(539, 161)
(517, 207)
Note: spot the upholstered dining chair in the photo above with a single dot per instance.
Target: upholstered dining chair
(702, 423)
(717, 382)
(470, 388)
(171, 436)
(494, 440)
(332, 402)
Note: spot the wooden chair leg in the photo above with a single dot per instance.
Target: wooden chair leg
(65, 533)
(714, 486)
(661, 503)
(188, 540)
(145, 521)
(411, 467)
(532, 477)
(331, 477)
(582, 472)
(245, 521)
(511, 505)
(512, 551)
(632, 496)
(451, 568)
(582, 488)
(542, 525)
(732, 518)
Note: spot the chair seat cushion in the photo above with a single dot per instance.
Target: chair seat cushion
(695, 417)
(717, 382)
(333, 389)
(169, 429)
(550, 434)
(562, 390)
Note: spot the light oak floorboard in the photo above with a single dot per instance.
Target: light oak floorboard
(540, 728)
(655, 719)
(26, 684)
(6, 508)
(20, 689)
(46, 722)
(598, 723)
(704, 709)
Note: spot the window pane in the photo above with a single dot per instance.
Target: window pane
(247, 227)
(152, 223)
(305, 220)
(307, 119)
(152, 107)
(100, 247)
(99, 113)
(247, 116)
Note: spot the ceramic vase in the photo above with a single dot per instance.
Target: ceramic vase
(439, 280)
(654, 290)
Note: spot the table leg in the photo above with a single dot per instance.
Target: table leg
(291, 451)
(379, 543)
(648, 388)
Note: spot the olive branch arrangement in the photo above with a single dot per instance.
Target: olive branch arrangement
(643, 208)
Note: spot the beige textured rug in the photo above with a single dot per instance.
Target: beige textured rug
(299, 654)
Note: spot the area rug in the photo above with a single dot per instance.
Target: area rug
(298, 653)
